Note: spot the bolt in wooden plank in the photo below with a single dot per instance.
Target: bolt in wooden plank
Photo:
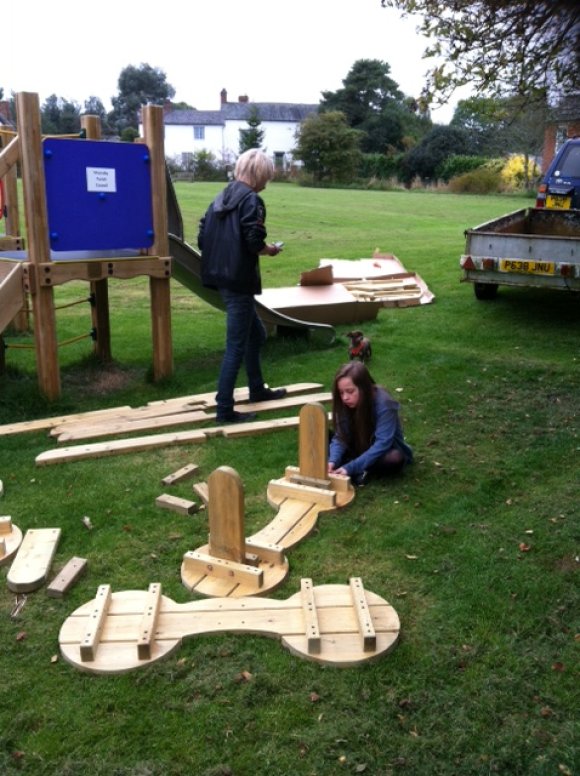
(90, 641)
(312, 628)
(67, 577)
(149, 622)
(365, 623)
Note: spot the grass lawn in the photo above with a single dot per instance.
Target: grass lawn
(475, 545)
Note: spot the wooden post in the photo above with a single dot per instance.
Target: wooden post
(21, 321)
(30, 142)
(313, 441)
(99, 288)
(153, 130)
(226, 515)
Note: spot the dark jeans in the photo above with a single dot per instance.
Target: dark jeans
(245, 335)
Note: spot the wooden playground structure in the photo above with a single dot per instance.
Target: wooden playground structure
(35, 271)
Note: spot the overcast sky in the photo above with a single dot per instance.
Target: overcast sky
(270, 50)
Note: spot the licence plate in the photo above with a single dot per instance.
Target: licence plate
(558, 201)
(529, 267)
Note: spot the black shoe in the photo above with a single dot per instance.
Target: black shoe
(236, 417)
(360, 480)
(268, 394)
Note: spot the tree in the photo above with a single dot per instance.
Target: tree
(94, 107)
(328, 147)
(499, 47)
(427, 158)
(501, 126)
(59, 116)
(373, 103)
(137, 87)
(253, 136)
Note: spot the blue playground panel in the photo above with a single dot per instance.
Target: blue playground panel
(98, 195)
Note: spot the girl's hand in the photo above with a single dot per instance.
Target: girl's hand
(342, 471)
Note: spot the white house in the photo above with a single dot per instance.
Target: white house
(188, 131)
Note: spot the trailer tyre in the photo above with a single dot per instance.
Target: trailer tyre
(485, 291)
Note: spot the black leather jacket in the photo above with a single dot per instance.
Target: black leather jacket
(231, 235)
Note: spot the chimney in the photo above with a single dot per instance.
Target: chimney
(243, 98)
(223, 96)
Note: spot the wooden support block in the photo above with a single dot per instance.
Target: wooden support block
(149, 622)
(180, 505)
(226, 515)
(340, 483)
(271, 553)
(293, 475)
(2, 547)
(201, 489)
(90, 641)
(312, 628)
(5, 524)
(223, 569)
(67, 577)
(33, 560)
(181, 474)
(365, 623)
(284, 489)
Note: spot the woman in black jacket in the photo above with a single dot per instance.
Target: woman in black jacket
(232, 236)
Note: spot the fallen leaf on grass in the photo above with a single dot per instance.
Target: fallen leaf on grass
(21, 635)
(87, 522)
(523, 547)
(411, 557)
(557, 666)
(244, 676)
(54, 659)
(314, 697)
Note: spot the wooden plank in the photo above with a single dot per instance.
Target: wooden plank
(211, 565)
(41, 424)
(284, 489)
(90, 642)
(185, 473)
(365, 623)
(120, 446)
(311, 626)
(148, 624)
(241, 394)
(180, 505)
(113, 428)
(9, 156)
(70, 574)
(31, 565)
(290, 514)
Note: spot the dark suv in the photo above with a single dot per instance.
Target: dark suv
(560, 187)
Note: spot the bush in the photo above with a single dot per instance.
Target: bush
(458, 164)
(518, 172)
(379, 166)
(480, 181)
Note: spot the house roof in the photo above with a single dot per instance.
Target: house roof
(240, 111)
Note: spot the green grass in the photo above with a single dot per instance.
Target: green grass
(482, 681)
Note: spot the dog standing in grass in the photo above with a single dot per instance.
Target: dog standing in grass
(360, 346)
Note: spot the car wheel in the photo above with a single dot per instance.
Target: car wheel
(484, 291)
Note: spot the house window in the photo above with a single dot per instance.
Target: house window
(199, 133)
(279, 160)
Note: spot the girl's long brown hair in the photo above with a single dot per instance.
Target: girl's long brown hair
(359, 422)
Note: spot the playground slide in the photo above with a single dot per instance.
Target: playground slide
(11, 295)
(187, 270)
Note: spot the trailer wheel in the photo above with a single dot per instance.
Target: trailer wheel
(485, 291)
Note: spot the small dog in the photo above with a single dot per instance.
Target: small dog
(360, 346)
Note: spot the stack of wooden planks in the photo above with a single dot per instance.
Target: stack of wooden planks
(185, 417)
(397, 291)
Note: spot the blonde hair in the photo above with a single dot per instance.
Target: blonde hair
(254, 168)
